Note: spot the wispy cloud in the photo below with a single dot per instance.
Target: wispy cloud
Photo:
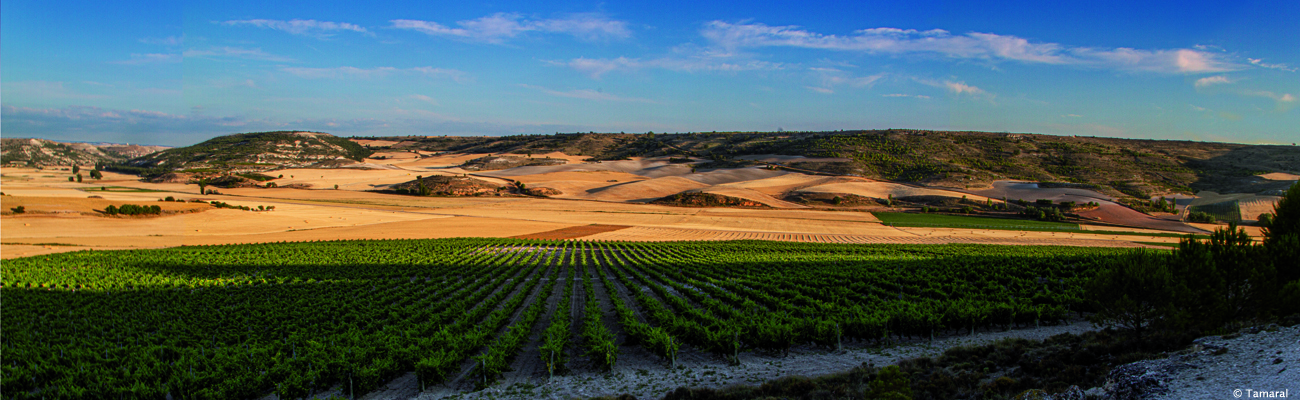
(376, 72)
(45, 90)
(917, 96)
(1280, 97)
(497, 28)
(831, 77)
(150, 58)
(586, 94)
(596, 67)
(235, 52)
(974, 45)
(963, 88)
(1260, 63)
(821, 90)
(1211, 80)
(424, 98)
(302, 27)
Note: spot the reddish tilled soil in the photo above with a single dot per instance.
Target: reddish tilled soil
(572, 232)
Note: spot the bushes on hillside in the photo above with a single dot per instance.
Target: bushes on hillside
(1206, 285)
(1052, 214)
(132, 209)
(1200, 217)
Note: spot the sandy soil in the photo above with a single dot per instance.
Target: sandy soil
(350, 213)
(346, 178)
(752, 195)
(1253, 207)
(643, 191)
(65, 204)
(1280, 176)
(652, 168)
(778, 185)
(882, 190)
(375, 143)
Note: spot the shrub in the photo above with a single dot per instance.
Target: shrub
(1133, 291)
(1200, 217)
(19, 209)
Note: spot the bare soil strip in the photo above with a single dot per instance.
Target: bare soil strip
(572, 232)
(663, 234)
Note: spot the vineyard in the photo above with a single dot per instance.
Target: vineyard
(294, 319)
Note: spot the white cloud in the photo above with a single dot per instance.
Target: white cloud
(304, 27)
(498, 27)
(596, 67)
(1260, 63)
(586, 94)
(974, 45)
(1211, 80)
(917, 96)
(834, 77)
(821, 90)
(1284, 97)
(376, 72)
(235, 52)
(962, 87)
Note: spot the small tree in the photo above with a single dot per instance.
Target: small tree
(891, 383)
(78, 178)
(95, 174)
(1265, 220)
(76, 168)
(72, 179)
(19, 209)
(110, 210)
(336, 186)
(1133, 291)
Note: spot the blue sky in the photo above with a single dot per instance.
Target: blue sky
(176, 73)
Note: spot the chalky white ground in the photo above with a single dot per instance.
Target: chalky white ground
(1248, 364)
(645, 377)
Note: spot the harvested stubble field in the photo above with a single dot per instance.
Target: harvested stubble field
(408, 318)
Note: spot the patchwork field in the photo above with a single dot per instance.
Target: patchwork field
(63, 217)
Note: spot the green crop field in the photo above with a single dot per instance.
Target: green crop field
(958, 221)
(244, 321)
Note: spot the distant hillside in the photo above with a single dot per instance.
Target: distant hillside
(246, 152)
(41, 152)
(1120, 167)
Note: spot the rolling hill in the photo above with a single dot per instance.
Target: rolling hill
(42, 152)
(1118, 167)
(251, 152)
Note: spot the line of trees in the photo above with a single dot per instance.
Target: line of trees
(132, 209)
(1205, 286)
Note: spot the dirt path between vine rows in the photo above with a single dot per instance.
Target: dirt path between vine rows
(654, 380)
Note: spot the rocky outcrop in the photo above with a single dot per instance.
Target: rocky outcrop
(444, 185)
(700, 199)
